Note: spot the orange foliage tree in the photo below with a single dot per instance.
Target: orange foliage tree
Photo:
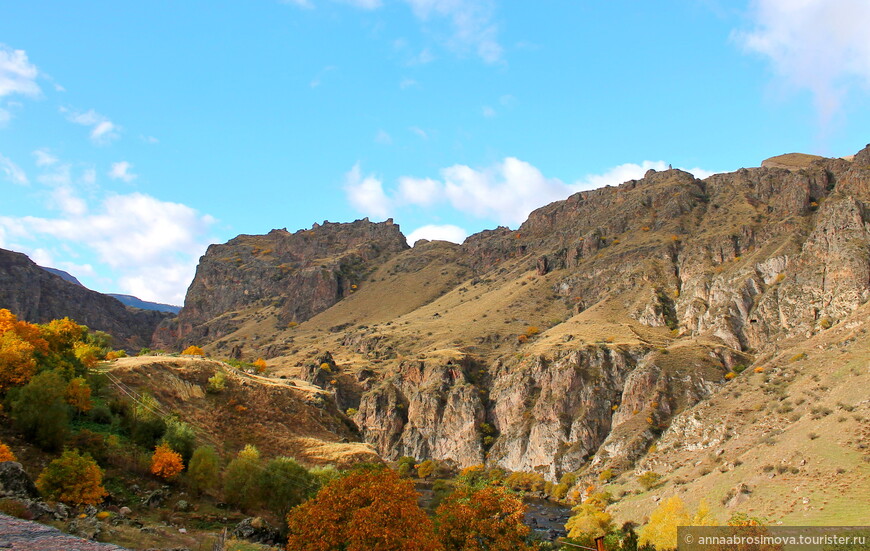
(6, 454)
(78, 395)
(489, 519)
(73, 478)
(260, 364)
(362, 511)
(19, 343)
(166, 463)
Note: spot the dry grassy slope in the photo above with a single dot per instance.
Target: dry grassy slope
(797, 434)
(280, 417)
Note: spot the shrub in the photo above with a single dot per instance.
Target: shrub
(426, 468)
(166, 463)
(6, 454)
(40, 411)
(74, 479)
(606, 475)
(203, 469)
(115, 354)
(217, 383)
(366, 509)
(525, 482)
(193, 350)
(91, 443)
(405, 465)
(649, 479)
(101, 415)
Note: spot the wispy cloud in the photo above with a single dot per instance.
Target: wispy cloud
(44, 158)
(817, 45)
(12, 172)
(121, 171)
(17, 77)
(422, 134)
(103, 130)
(318, 78)
(383, 138)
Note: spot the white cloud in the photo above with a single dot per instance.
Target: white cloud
(364, 4)
(12, 172)
(420, 191)
(433, 232)
(44, 158)
(505, 192)
(366, 194)
(488, 112)
(17, 74)
(121, 171)
(818, 45)
(301, 3)
(103, 130)
(154, 245)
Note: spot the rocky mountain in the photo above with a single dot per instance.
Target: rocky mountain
(610, 324)
(38, 296)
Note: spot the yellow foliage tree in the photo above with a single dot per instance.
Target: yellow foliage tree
(166, 463)
(193, 350)
(87, 353)
(6, 454)
(78, 395)
(74, 479)
(661, 530)
(589, 521)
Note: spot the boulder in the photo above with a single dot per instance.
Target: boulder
(15, 482)
(257, 530)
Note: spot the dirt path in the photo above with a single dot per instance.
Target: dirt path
(25, 535)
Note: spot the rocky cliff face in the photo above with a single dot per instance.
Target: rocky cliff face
(35, 295)
(298, 274)
(573, 342)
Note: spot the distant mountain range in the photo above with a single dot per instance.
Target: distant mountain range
(127, 300)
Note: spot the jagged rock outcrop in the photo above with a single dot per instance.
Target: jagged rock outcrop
(37, 296)
(15, 482)
(296, 274)
(691, 278)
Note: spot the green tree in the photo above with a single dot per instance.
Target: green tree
(203, 469)
(241, 479)
(181, 437)
(284, 484)
(41, 412)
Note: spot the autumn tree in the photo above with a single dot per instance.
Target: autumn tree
(40, 410)
(193, 350)
(6, 454)
(241, 479)
(203, 469)
(260, 365)
(364, 510)
(78, 395)
(661, 530)
(20, 343)
(166, 462)
(74, 479)
(588, 522)
(485, 519)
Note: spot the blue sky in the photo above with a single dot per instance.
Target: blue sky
(133, 134)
